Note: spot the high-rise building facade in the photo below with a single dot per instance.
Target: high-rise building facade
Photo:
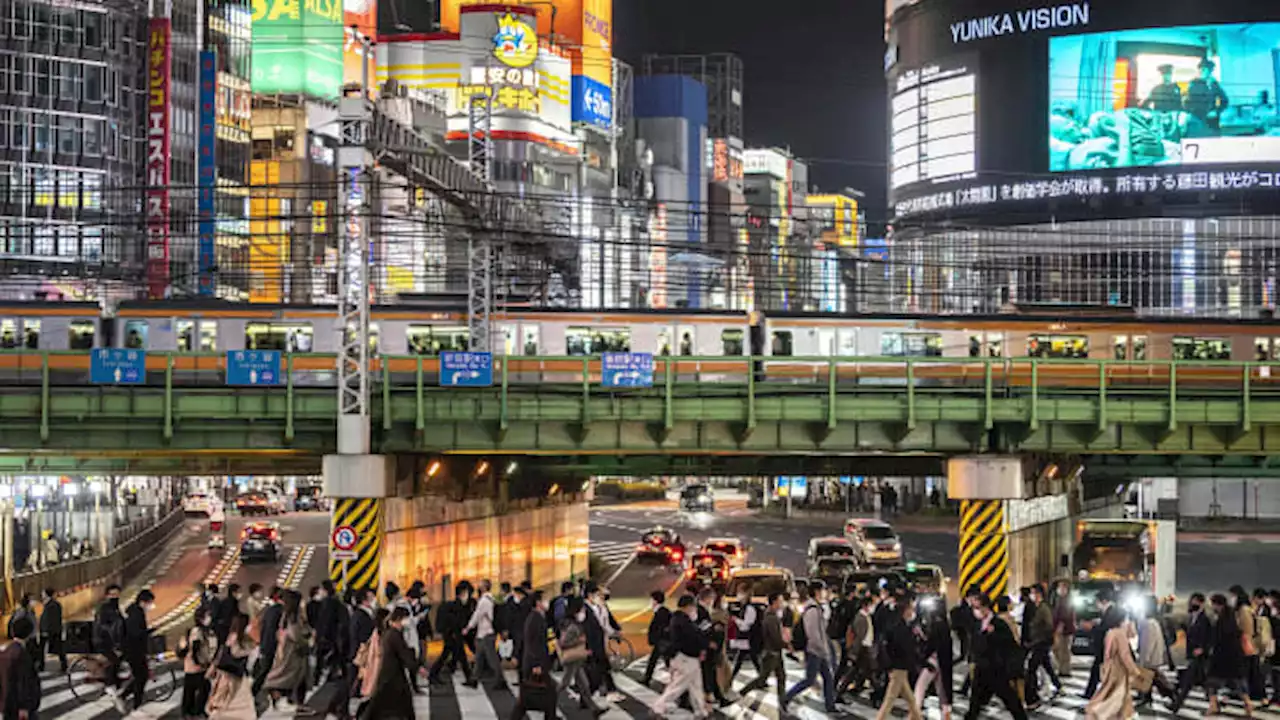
(72, 88)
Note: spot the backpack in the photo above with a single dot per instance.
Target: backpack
(799, 636)
(1266, 639)
(840, 620)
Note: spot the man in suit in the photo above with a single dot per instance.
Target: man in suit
(992, 646)
(50, 630)
(659, 635)
(862, 646)
(537, 687)
(1199, 642)
(268, 627)
(361, 629)
(772, 644)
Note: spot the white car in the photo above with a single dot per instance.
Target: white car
(731, 548)
(197, 503)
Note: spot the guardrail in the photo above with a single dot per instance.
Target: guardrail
(68, 576)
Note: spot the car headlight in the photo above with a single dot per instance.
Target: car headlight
(1077, 602)
(704, 498)
(897, 547)
(1134, 604)
(869, 547)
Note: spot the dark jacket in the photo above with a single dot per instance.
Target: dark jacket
(1037, 631)
(224, 612)
(659, 626)
(902, 647)
(451, 618)
(393, 690)
(108, 626)
(1111, 617)
(992, 648)
(328, 620)
(137, 636)
(686, 638)
(269, 627)
(1064, 616)
(51, 619)
(533, 653)
(21, 680)
(771, 632)
(361, 630)
(1227, 661)
(595, 636)
(520, 613)
(1199, 634)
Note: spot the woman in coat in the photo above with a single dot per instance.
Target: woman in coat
(288, 675)
(573, 640)
(369, 656)
(939, 663)
(393, 691)
(1119, 677)
(1227, 660)
(201, 649)
(1153, 653)
(232, 695)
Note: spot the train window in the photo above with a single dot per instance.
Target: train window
(593, 341)
(782, 345)
(664, 342)
(731, 342)
(80, 335)
(1058, 346)
(135, 334)
(529, 339)
(9, 334)
(894, 344)
(848, 340)
(374, 338)
(1266, 349)
(685, 333)
(432, 340)
(986, 345)
(31, 334)
(1129, 348)
(208, 335)
(1201, 348)
(286, 337)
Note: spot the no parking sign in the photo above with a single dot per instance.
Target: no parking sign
(343, 543)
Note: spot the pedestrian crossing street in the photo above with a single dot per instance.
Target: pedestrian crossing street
(455, 701)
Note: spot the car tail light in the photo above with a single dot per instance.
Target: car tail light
(676, 555)
(689, 572)
(275, 535)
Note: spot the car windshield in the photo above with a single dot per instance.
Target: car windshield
(657, 538)
(922, 575)
(759, 585)
(694, 491)
(309, 492)
(708, 561)
(878, 532)
(258, 531)
(832, 549)
(836, 566)
(727, 548)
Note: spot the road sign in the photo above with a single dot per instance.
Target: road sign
(466, 369)
(253, 367)
(343, 540)
(626, 370)
(117, 366)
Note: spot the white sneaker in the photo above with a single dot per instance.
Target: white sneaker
(615, 697)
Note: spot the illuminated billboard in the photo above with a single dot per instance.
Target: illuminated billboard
(298, 47)
(159, 76)
(1201, 94)
(358, 16)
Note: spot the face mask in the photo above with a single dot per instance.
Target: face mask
(206, 622)
(581, 617)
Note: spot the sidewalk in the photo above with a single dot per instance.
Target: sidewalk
(916, 522)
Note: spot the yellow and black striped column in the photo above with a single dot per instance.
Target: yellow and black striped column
(366, 517)
(984, 549)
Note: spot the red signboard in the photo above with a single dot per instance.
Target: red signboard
(159, 64)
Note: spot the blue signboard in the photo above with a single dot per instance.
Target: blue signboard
(592, 102)
(116, 366)
(207, 174)
(466, 369)
(626, 370)
(253, 367)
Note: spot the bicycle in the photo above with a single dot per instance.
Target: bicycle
(621, 653)
(86, 682)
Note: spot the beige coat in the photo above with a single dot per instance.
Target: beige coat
(1120, 674)
(231, 697)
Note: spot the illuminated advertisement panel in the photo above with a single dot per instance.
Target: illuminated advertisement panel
(298, 47)
(207, 172)
(358, 16)
(1164, 96)
(159, 65)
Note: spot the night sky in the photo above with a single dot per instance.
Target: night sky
(813, 73)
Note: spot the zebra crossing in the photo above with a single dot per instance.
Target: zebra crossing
(612, 552)
(453, 700)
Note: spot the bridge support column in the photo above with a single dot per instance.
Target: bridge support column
(982, 483)
(358, 486)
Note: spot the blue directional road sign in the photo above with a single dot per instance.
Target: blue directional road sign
(626, 370)
(117, 366)
(466, 369)
(253, 367)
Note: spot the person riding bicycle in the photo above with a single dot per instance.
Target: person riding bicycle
(137, 649)
(108, 634)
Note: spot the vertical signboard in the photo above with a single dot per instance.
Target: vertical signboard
(297, 47)
(159, 60)
(207, 172)
(658, 257)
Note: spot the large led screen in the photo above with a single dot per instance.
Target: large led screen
(1164, 96)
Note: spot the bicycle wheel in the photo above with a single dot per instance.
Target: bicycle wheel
(79, 682)
(624, 653)
(163, 691)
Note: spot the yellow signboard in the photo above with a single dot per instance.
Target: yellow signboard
(516, 43)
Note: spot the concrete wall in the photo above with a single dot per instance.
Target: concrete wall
(1035, 554)
(1253, 498)
(441, 542)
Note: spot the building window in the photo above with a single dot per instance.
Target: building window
(69, 135)
(21, 80)
(44, 241)
(92, 22)
(93, 84)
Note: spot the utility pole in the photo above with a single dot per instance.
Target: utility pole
(480, 258)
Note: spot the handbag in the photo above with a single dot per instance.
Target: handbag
(232, 665)
(574, 654)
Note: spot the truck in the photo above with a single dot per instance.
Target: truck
(1139, 556)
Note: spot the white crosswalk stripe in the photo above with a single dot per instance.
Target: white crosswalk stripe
(612, 552)
(453, 700)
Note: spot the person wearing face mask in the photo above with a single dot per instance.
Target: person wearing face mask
(659, 635)
(1108, 619)
(991, 647)
(197, 655)
(817, 649)
(689, 645)
(1250, 639)
(902, 651)
(269, 636)
(450, 620)
(1064, 627)
(1120, 676)
(574, 653)
(749, 634)
(136, 647)
(108, 634)
(1273, 616)
(1227, 659)
(862, 647)
(1199, 646)
(773, 642)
